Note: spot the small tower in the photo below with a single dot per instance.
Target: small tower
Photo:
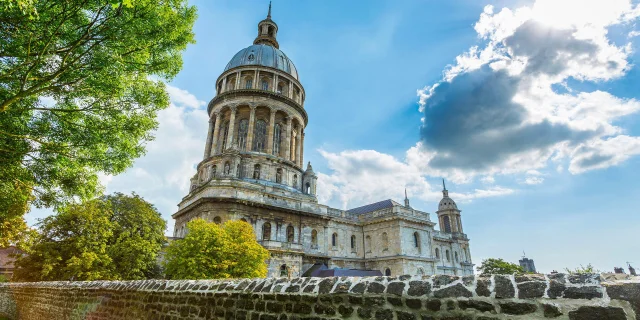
(448, 213)
(527, 264)
(309, 181)
(406, 199)
(267, 31)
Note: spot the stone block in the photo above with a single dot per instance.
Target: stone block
(504, 288)
(359, 288)
(384, 314)
(597, 313)
(443, 280)
(396, 288)
(365, 313)
(419, 288)
(530, 290)
(583, 293)
(517, 308)
(551, 311)
(395, 301)
(476, 304)
(345, 311)
(584, 278)
(556, 289)
(414, 303)
(433, 305)
(482, 287)
(373, 301)
(342, 287)
(457, 290)
(627, 291)
(375, 287)
(326, 285)
(400, 315)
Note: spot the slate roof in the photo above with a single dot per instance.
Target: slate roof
(374, 207)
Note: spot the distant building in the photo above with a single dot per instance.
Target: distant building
(7, 260)
(618, 270)
(528, 265)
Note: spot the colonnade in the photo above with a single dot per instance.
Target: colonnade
(291, 138)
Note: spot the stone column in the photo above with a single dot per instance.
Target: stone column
(287, 140)
(301, 149)
(216, 133)
(237, 80)
(207, 146)
(255, 79)
(224, 85)
(290, 94)
(257, 83)
(232, 122)
(272, 125)
(252, 116)
(275, 83)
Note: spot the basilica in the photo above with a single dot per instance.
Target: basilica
(253, 170)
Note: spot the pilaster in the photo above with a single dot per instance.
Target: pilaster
(216, 133)
(232, 122)
(272, 120)
(252, 116)
(207, 147)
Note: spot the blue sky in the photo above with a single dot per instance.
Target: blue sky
(539, 147)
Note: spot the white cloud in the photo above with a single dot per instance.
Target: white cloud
(162, 175)
(365, 176)
(497, 110)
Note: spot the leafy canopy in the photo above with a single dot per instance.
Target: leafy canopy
(582, 269)
(115, 237)
(81, 86)
(211, 251)
(499, 266)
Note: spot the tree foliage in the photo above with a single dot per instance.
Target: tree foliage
(582, 269)
(211, 251)
(115, 237)
(81, 86)
(499, 266)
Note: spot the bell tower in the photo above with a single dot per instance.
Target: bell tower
(448, 213)
(267, 31)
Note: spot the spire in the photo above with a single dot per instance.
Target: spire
(445, 193)
(444, 188)
(267, 31)
(406, 199)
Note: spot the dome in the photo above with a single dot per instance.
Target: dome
(447, 203)
(263, 55)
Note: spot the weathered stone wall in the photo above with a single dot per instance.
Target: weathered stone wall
(558, 296)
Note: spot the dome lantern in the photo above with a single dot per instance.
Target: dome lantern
(267, 31)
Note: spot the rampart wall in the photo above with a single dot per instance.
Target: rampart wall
(555, 296)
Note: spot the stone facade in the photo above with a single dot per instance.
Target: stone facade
(556, 296)
(252, 169)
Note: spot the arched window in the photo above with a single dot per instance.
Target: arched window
(448, 255)
(260, 136)
(455, 254)
(213, 172)
(265, 85)
(217, 220)
(280, 87)
(385, 241)
(314, 238)
(284, 270)
(387, 272)
(416, 240)
(294, 140)
(256, 171)
(248, 84)
(353, 242)
(367, 243)
(225, 134)
(243, 129)
(447, 224)
(334, 239)
(290, 234)
(437, 253)
(266, 231)
(307, 188)
(277, 132)
(227, 168)
(295, 181)
(279, 175)
(231, 83)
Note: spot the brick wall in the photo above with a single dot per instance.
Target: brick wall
(556, 296)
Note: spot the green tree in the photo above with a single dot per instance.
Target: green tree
(82, 81)
(499, 266)
(210, 251)
(580, 270)
(114, 237)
